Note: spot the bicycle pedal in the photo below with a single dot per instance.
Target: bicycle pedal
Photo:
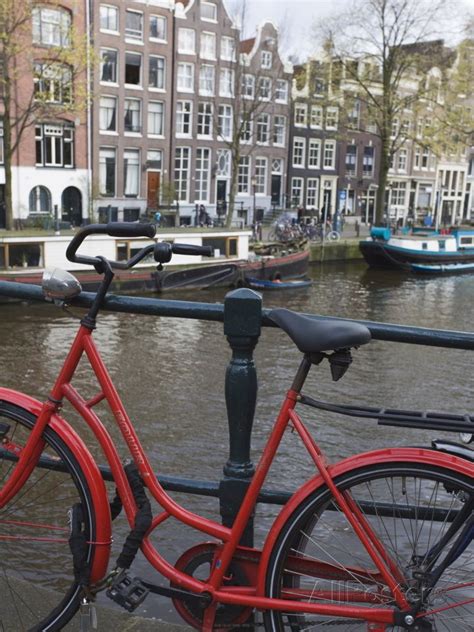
(128, 592)
(88, 616)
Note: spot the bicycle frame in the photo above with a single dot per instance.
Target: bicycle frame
(251, 596)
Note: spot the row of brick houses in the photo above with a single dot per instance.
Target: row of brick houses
(170, 82)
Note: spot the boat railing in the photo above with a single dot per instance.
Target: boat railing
(243, 317)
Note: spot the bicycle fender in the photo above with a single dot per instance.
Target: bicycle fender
(91, 473)
(427, 456)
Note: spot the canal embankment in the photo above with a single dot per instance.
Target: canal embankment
(336, 251)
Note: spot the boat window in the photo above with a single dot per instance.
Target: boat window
(21, 256)
(466, 241)
(424, 245)
(225, 245)
(442, 244)
(126, 249)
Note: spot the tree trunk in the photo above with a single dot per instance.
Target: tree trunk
(233, 184)
(8, 156)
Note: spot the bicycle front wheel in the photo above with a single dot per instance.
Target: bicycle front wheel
(37, 583)
(410, 507)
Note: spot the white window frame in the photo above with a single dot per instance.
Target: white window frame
(263, 129)
(127, 154)
(209, 5)
(205, 118)
(103, 52)
(279, 130)
(158, 115)
(243, 177)
(329, 144)
(182, 178)
(301, 115)
(352, 171)
(297, 184)
(312, 193)
(264, 88)
(186, 41)
(114, 9)
(137, 118)
(207, 80)
(246, 131)
(316, 117)
(140, 82)
(247, 87)
(184, 119)
(50, 33)
(314, 153)
(229, 46)
(206, 52)
(104, 153)
(281, 91)
(185, 83)
(105, 108)
(134, 35)
(365, 162)
(226, 82)
(398, 194)
(332, 117)
(202, 174)
(266, 59)
(160, 73)
(298, 152)
(402, 160)
(164, 20)
(225, 122)
(261, 173)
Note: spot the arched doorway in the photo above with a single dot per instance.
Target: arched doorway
(71, 203)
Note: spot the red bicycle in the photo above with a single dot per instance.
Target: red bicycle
(379, 541)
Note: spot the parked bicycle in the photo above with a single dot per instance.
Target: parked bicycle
(379, 541)
(318, 233)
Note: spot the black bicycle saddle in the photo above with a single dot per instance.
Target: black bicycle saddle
(311, 336)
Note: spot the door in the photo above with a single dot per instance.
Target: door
(276, 189)
(153, 189)
(221, 197)
(3, 212)
(72, 206)
(326, 214)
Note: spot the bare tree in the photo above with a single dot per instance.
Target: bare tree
(48, 81)
(382, 50)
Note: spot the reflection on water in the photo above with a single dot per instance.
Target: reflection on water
(170, 373)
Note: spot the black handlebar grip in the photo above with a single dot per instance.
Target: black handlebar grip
(188, 249)
(130, 229)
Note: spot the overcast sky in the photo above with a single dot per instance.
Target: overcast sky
(300, 15)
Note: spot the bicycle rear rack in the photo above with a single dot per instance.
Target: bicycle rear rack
(425, 420)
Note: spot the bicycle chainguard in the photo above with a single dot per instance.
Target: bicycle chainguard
(129, 592)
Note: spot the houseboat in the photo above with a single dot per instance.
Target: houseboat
(421, 251)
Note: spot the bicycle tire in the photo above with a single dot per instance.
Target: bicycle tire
(333, 235)
(316, 531)
(37, 583)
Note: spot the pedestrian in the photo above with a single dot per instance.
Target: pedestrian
(202, 215)
(357, 228)
(157, 218)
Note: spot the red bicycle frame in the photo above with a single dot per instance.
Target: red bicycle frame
(386, 572)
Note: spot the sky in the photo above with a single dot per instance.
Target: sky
(299, 16)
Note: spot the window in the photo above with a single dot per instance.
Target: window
(314, 153)
(181, 172)
(203, 162)
(134, 25)
(154, 159)
(405, 128)
(402, 160)
(51, 26)
(158, 27)
(131, 172)
(226, 82)
(312, 186)
(417, 156)
(281, 90)
(108, 65)
(351, 160)
(297, 191)
(248, 86)
(243, 178)
(395, 127)
(52, 83)
(206, 80)
(329, 154)
(109, 18)
(54, 145)
(246, 127)
(107, 171)
(353, 115)
(266, 59)
(156, 72)
(279, 130)
(209, 11)
(133, 69)
(223, 163)
(301, 113)
(40, 200)
(264, 88)
(108, 114)
(263, 129)
(332, 115)
(156, 118)
(204, 122)
(133, 115)
(208, 46)
(398, 193)
(186, 41)
(368, 162)
(228, 49)
(225, 122)
(299, 147)
(316, 118)
(425, 158)
(260, 176)
(183, 118)
(185, 81)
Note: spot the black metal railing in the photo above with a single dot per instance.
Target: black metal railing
(243, 316)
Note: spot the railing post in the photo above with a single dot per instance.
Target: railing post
(242, 324)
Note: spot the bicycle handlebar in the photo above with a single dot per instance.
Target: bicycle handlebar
(162, 251)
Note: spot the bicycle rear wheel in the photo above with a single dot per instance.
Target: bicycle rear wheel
(318, 558)
(37, 583)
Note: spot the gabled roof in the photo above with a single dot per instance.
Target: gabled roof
(247, 45)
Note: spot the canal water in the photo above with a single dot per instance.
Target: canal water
(170, 373)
